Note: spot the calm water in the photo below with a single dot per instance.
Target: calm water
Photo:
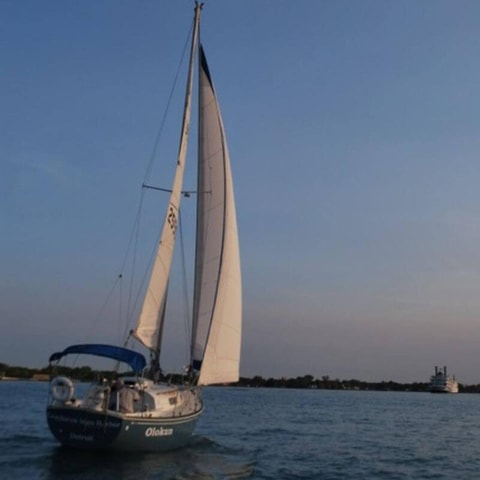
(267, 434)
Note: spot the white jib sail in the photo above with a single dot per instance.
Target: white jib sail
(149, 326)
(217, 314)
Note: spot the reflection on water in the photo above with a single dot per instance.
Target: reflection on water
(203, 459)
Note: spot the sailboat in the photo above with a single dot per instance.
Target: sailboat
(138, 411)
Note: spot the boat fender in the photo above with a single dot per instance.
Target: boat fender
(62, 389)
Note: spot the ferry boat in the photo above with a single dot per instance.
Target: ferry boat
(441, 382)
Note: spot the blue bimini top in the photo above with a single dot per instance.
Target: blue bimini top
(134, 359)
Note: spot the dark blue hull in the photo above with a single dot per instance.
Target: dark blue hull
(94, 430)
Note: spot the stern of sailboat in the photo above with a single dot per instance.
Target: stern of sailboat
(163, 418)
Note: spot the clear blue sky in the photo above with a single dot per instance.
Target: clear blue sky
(353, 131)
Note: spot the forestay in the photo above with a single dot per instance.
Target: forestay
(150, 323)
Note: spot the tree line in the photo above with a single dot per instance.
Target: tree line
(327, 383)
(306, 381)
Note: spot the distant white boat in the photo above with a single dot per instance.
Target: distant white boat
(441, 382)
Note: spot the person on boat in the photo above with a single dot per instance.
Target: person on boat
(114, 390)
(122, 398)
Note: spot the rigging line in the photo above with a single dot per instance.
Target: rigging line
(133, 269)
(185, 289)
(133, 239)
(101, 309)
(120, 297)
(143, 282)
(136, 226)
(167, 109)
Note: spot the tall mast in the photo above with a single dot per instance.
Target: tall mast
(150, 323)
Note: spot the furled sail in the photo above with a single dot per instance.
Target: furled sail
(217, 313)
(150, 323)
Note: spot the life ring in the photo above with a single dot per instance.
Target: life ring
(62, 389)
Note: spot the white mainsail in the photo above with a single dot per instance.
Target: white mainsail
(150, 323)
(217, 311)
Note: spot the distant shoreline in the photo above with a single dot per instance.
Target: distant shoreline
(39, 378)
(86, 374)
